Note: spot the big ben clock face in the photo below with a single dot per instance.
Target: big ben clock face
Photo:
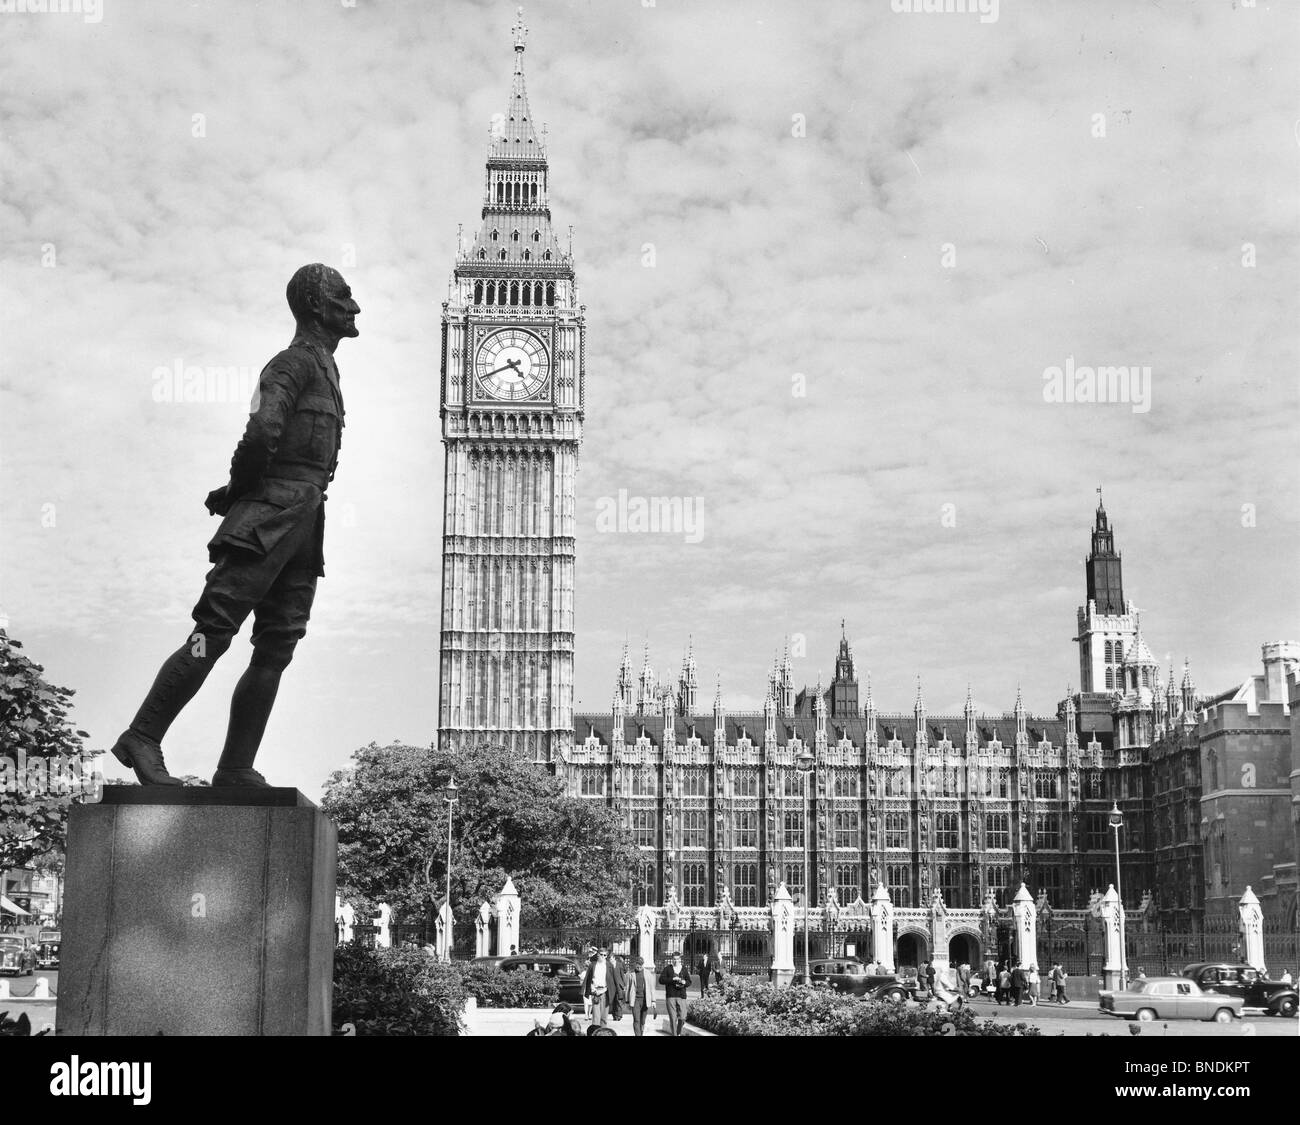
(511, 364)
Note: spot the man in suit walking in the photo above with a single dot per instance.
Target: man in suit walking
(676, 979)
(640, 994)
(603, 985)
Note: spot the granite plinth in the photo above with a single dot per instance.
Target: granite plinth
(198, 915)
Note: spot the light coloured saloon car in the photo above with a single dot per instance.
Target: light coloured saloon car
(1168, 998)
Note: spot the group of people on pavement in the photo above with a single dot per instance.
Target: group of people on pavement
(1023, 984)
(609, 988)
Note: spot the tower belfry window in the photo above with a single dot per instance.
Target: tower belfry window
(495, 235)
(514, 236)
(537, 235)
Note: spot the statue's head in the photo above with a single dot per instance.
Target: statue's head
(319, 297)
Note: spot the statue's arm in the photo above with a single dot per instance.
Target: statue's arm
(277, 391)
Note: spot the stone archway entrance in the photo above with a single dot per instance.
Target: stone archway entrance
(964, 949)
(912, 949)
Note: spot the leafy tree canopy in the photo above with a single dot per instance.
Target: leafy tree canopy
(43, 764)
(569, 858)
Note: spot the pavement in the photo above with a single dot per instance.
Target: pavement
(520, 1021)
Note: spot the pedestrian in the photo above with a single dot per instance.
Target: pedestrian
(1034, 981)
(1003, 993)
(1286, 976)
(963, 979)
(676, 980)
(1142, 973)
(640, 994)
(715, 967)
(929, 976)
(1019, 984)
(990, 980)
(702, 967)
(1059, 977)
(603, 984)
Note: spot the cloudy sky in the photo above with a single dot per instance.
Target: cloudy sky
(872, 232)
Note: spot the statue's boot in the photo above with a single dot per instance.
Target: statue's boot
(141, 753)
(179, 678)
(250, 708)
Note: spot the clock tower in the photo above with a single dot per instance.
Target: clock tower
(511, 405)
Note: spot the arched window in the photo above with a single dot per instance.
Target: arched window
(534, 193)
(514, 288)
(514, 236)
(482, 254)
(1110, 653)
(496, 235)
(550, 288)
(528, 290)
(744, 884)
(643, 885)
(546, 256)
(478, 292)
(537, 293)
(537, 236)
(1110, 677)
(528, 255)
(694, 888)
(502, 255)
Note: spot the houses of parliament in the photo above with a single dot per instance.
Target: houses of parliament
(969, 805)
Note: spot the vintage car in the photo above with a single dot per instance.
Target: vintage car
(565, 970)
(17, 955)
(849, 975)
(1258, 993)
(1168, 998)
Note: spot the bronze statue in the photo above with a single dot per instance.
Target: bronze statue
(267, 553)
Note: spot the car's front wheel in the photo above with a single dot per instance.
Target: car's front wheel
(1285, 1007)
(1224, 1015)
(896, 996)
(1146, 1015)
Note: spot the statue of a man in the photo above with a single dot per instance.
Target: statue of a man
(267, 553)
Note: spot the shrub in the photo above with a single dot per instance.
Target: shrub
(396, 992)
(519, 988)
(749, 1007)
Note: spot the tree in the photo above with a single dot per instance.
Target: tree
(43, 764)
(569, 858)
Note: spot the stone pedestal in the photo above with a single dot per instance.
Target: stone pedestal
(198, 911)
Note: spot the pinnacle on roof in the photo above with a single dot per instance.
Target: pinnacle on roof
(516, 138)
(1020, 702)
(970, 702)
(1187, 673)
(919, 706)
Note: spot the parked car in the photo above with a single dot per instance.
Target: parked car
(850, 976)
(1168, 998)
(564, 968)
(17, 955)
(47, 955)
(1258, 993)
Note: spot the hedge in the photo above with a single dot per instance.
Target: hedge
(750, 1007)
(396, 992)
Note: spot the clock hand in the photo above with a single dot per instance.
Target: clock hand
(510, 364)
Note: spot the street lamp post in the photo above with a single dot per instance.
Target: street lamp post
(1117, 822)
(806, 761)
(451, 797)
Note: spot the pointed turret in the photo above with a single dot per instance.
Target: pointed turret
(1105, 586)
(844, 684)
(972, 735)
(1188, 692)
(688, 682)
(648, 696)
(786, 700)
